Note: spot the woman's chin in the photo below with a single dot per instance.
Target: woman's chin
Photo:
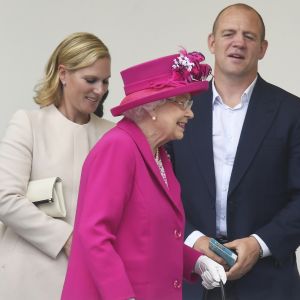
(91, 107)
(179, 136)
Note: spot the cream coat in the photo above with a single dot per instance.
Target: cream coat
(39, 144)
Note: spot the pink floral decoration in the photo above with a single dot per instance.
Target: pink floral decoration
(188, 67)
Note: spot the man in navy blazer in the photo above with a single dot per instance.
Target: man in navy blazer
(239, 166)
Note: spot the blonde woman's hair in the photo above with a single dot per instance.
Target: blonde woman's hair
(76, 51)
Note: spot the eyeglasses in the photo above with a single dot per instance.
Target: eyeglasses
(184, 103)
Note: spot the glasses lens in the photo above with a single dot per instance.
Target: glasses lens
(184, 103)
(188, 104)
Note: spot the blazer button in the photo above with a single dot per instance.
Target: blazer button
(177, 234)
(177, 284)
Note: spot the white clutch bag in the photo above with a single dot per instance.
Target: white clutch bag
(47, 195)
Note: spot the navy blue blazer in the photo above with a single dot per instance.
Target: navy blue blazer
(264, 189)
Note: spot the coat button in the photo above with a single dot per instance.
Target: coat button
(177, 284)
(177, 234)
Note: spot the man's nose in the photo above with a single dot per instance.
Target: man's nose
(239, 40)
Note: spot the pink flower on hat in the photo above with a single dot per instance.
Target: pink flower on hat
(188, 67)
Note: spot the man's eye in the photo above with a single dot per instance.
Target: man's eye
(250, 37)
(90, 80)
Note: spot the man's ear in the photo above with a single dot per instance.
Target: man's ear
(263, 49)
(211, 43)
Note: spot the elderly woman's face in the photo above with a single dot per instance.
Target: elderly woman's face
(173, 116)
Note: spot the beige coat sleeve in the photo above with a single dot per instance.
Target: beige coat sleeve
(16, 211)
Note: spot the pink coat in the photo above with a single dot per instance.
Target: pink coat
(128, 236)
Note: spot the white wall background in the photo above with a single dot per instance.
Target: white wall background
(134, 31)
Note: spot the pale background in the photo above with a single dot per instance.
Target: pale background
(134, 31)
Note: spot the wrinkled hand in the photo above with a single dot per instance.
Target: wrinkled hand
(67, 246)
(202, 245)
(210, 271)
(247, 250)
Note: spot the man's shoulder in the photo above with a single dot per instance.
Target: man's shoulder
(276, 90)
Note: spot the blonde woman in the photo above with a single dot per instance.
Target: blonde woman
(48, 142)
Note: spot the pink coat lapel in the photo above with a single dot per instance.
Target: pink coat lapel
(173, 189)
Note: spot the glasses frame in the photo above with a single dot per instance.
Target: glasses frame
(184, 104)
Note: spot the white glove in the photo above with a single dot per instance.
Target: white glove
(210, 271)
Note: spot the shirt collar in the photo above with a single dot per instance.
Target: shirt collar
(245, 96)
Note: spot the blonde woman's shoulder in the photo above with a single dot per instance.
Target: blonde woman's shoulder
(101, 122)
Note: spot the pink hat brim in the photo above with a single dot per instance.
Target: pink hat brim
(150, 95)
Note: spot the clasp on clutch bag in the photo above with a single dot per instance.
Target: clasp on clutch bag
(43, 201)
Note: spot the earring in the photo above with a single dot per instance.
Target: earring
(154, 118)
(63, 83)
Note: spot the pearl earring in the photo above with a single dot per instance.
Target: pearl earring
(154, 118)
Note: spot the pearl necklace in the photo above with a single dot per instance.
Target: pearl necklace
(160, 167)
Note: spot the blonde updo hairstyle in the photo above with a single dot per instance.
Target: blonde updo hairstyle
(76, 51)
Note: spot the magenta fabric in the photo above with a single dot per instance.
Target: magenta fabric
(128, 236)
(146, 96)
(154, 80)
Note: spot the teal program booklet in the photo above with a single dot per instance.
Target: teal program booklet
(228, 255)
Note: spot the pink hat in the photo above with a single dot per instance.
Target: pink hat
(162, 78)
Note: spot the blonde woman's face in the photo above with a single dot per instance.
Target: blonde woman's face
(83, 89)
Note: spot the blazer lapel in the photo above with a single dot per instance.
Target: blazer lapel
(261, 112)
(200, 138)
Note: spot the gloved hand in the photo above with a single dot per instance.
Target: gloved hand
(210, 271)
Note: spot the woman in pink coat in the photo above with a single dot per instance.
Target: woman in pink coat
(128, 237)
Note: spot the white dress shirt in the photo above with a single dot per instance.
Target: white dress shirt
(227, 127)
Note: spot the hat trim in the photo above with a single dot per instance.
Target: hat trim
(157, 95)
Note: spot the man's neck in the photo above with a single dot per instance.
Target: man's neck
(232, 89)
